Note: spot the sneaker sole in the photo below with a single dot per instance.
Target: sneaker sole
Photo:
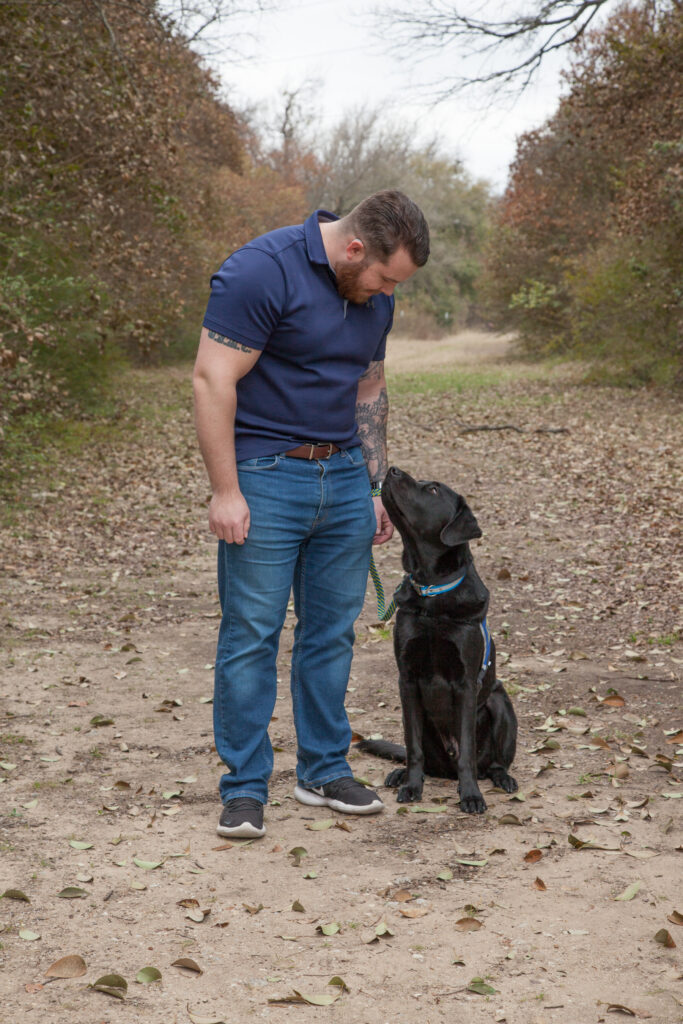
(243, 831)
(305, 796)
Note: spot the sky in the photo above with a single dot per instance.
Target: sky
(334, 44)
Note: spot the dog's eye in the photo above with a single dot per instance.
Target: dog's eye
(433, 489)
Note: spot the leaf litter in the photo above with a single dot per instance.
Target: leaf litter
(601, 606)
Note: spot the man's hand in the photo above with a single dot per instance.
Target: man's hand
(385, 527)
(229, 517)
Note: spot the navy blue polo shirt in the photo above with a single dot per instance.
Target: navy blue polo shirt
(278, 294)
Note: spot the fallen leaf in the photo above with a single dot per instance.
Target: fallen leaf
(675, 917)
(28, 936)
(412, 911)
(630, 892)
(533, 856)
(662, 936)
(72, 966)
(79, 844)
(317, 1000)
(188, 965)
(540, 885)
(251, 909)
(298, 853)
(15, 894)
(340, 983)
(589, 844)
(613, 700)
(468, 924)
(328, 929)
(72, 892)
(198, 915)
(111, 985)
(402, 896)
(197, 1019)
(320, 826)
(481, 987)
(148, 975)
(147, 865)
(443, 876)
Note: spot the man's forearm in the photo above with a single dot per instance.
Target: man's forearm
(372, 413)
(215, 424)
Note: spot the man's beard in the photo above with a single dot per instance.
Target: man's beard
(347, 275)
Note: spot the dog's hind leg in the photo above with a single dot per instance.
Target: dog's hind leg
(396, 778)
(503, 739)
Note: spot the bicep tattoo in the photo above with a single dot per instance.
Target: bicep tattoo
(228, 341)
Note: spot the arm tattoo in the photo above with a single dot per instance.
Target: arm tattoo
(228, 341)
(374, 371)
(372, 429)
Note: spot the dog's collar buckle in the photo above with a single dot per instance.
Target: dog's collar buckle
(434, 589)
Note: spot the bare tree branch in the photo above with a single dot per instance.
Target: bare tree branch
(497, 52)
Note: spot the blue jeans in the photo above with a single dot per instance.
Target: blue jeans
(312, 525)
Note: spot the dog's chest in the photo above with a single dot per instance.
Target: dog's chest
(427, 652)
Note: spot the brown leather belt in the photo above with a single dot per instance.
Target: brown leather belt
(313, 451)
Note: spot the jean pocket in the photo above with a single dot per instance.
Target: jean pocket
(260, 463)
(355, 456)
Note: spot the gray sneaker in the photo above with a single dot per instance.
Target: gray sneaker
(343, 794)
(242, 818)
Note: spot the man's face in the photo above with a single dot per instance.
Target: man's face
(359, 281)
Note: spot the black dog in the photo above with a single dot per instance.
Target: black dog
(458, 720)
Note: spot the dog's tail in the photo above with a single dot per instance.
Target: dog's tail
(383, 748)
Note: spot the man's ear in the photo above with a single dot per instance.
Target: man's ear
(461, 528)
(355, 251)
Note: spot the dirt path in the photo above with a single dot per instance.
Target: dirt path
(468, 348)
(108, 609)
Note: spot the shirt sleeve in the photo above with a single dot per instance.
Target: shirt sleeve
(382, 347)
(247, 298)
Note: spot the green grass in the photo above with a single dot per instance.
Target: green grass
(470, 379)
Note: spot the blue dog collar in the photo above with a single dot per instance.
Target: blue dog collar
(433, 590)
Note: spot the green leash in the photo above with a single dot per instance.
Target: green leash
(383, 613)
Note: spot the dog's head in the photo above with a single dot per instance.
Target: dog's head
(433, 520)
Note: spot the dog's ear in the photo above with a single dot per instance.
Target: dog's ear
(462, 527)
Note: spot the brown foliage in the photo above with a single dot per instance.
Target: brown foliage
(125, 182)
(598, 186)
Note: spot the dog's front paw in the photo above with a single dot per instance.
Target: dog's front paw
(395, 778)
(409, 794)
(501, 780)
(474, 804)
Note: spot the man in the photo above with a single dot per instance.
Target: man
(291, 410)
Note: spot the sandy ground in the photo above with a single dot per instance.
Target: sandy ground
(468, 348)
(108, 608)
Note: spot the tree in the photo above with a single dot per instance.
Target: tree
(366, 151)
(500, 52)
(586, 253)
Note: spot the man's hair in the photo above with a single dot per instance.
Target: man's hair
(387, 221)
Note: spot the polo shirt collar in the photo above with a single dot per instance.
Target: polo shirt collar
(314, 240)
